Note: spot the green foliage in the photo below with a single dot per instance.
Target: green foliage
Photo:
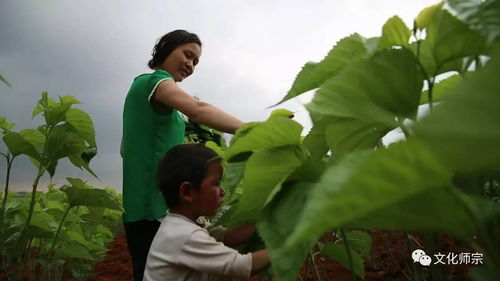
(4, 81)
(464, 130)
(442, 89)
(18, 145)
(5, 126)
(342, 176)
(426, 15)
(313, 75)
(61, 229)
(197, 133)
(394, 33)
(64, 228)
(340, 254)
(78, 196)
(483, 16)
(264, 177)
(277, 223)
(276, 131)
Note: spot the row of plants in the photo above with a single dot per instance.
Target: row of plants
(61, 233)
(436, 82)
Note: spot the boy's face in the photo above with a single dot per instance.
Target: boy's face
(208, 197)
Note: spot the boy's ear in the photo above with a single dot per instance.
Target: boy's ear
(186, 192)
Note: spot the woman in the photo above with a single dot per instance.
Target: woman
(152, 125)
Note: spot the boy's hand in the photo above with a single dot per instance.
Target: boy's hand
(260, 260)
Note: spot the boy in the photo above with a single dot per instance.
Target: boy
(184, 248)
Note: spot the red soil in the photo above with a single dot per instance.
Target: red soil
(390, 261)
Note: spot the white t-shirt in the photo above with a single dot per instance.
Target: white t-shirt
(185, 251)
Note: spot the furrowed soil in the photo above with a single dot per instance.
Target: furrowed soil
(390, 260)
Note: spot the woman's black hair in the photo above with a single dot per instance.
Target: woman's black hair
(168, 43)
(183, 163)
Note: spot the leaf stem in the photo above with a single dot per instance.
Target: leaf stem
(426, 76)
(6, 192)
(349, 256)
(479, 65)
(403, 128)
(429, 93)
(41, 171)
(315, 267)
(414, 274)
(57, 232)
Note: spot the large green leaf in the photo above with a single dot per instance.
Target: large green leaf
(339, 253)
(425, 16)
(91, 197)
(377, 89)
(465, 128)
(81, 159)
(53, 112)
(315, 140)
(35, 137)
(274, 132)
(74, 251)
(394, 33)
(449, 39)
(60, 139)
(278, 221)
(65, 141)
(360, 241)
(42, 225)
(481, 15)
(408, 214)
(367, 181)
(76, 237)
(233, 173)
(17, 145)
(68, 100)
(82, 122)
(345, 135)
(313, 75)
(265, 170)
(359, 109)
(310, 170)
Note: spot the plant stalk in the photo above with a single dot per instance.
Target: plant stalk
(315, 267)
(349, 256)
(57, 232)
(6, 192)
(41, 171)
(414, 274)
(429, 93)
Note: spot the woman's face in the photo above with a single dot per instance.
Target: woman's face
(180, 63)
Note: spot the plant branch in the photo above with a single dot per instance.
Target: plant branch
(58, 230)
(349, 256)
(315, 267)
(6, 192)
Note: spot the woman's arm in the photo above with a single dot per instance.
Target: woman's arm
(169, 94)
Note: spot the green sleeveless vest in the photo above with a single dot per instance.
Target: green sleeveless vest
(147, 136)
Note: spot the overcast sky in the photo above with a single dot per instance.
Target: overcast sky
(252, 51)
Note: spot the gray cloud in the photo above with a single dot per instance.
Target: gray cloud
(93, 49)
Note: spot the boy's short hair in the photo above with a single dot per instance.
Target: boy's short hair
(185, 162)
